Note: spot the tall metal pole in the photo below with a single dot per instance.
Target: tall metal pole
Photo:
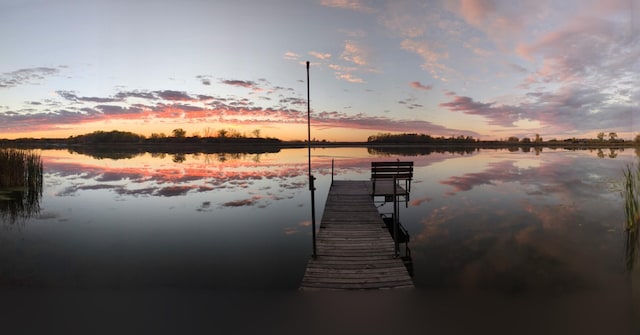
(311, 177)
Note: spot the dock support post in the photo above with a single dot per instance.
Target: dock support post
(395, 218)
(332, 171)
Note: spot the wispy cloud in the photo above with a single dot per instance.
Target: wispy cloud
(410, 103)
(420, 86)
(319, 55)
(569, 108)
(346, 73)
(361, 121)
(357, 5)
(350, 77)
(241, 83)
(26, 76)
(358, 58)
(600, 50)
(181, 106)
(354, 52)
(71, 96)
(432, 58)
(205, 80)
(291, 56)
(502, 21)
(173, 95)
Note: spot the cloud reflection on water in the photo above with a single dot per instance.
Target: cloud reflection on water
(158, 177)
(546, 229)
(498, 221)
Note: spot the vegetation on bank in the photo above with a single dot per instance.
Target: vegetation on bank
(21, 181)
(178, 136)
(231, 137)
(405, 138)
(412, 138)
(19, 168)
(631, 196)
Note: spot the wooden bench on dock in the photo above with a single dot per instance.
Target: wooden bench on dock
(383, 175)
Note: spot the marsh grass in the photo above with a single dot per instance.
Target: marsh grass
(631, 196)
(21, 180)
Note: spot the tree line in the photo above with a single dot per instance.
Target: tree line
(178, 135)
(413, 138)
(418, 138)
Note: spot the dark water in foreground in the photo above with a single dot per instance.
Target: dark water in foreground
(500, 241)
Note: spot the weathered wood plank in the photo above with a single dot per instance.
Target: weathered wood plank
(354, 248)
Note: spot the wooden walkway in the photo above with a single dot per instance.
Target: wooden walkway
(354, 248)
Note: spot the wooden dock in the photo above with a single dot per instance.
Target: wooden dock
(354, 248)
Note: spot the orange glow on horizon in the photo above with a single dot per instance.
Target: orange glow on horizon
(287, 132)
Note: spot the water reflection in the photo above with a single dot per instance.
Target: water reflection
(509, 223)
(177, 152)
(18, 206)
(418, 150)
(514, 225)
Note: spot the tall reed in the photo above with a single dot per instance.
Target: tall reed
(19, 168)
(631, 195)
(21, 180)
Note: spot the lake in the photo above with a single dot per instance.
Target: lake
(505, 225)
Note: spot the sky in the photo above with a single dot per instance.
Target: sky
(490, 69)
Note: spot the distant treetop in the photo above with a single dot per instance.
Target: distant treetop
(114, 136)
(418, 138)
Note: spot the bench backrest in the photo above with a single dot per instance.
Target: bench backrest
(389, 170)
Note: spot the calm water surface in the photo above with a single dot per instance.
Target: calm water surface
(494, 222)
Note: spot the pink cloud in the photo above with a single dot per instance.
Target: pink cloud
(568, 108)
(169, 106)
(319, 55)
(599, 49)
(432, 58)
(349, 77)
(355, 53)
(291, 56)
(420, 86)
(501, 20)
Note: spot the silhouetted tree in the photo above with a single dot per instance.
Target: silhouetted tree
(114, 136)
(179, 158)
(538, 138)
(179, 133)
(208, 132)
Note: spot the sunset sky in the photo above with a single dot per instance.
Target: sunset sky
(485, 68)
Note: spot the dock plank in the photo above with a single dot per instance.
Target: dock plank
(354, 248)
